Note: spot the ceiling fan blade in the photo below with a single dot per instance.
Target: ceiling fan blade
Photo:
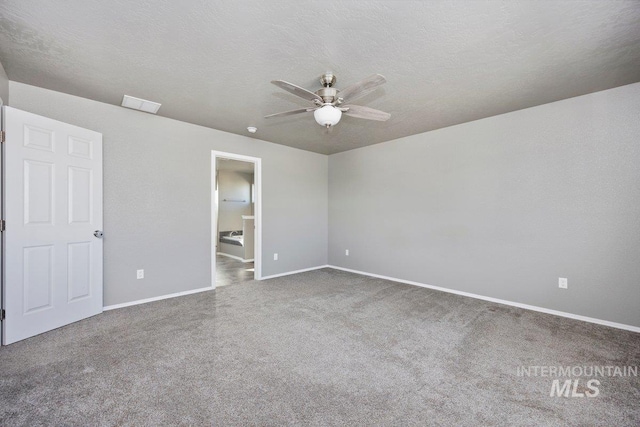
(361, 88)
(289, 113)
(365, 113)
(297, 90)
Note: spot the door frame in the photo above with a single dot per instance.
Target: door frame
(2, 250)
(257, 213)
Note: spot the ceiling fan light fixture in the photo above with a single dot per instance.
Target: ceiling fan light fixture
(327, 115)
(327, 105)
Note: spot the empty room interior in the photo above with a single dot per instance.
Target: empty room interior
(358, 213)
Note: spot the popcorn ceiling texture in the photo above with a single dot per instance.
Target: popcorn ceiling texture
(210, 63)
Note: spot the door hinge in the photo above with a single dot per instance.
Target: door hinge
(2, 225)
(2, 314)
(2, 136)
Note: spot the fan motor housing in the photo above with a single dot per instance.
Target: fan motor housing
(328, 94)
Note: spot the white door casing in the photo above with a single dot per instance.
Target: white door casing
(53, 205)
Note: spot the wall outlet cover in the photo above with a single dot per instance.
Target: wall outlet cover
(563, 282)
(140, 274)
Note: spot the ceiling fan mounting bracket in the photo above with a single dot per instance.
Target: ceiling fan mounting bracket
(328, 79)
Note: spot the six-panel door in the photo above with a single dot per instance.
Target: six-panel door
(53, 205)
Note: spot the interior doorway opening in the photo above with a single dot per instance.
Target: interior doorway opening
(235, 218)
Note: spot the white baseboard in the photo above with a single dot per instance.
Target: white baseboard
(234, 257)
(288, 273)
(146, 300)
(195, 291)
(499, 301)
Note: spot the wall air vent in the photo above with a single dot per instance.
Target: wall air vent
(140, 104)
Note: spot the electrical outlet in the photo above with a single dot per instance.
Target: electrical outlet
(140, 274)
(346, 252)
(563, 282)
(275, 257)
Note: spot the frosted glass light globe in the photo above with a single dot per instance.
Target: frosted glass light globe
(327, 115)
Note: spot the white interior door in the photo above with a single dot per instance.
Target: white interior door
(53, 205)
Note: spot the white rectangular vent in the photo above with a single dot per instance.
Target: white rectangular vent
(140, 104)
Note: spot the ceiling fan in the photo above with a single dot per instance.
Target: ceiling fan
(328, 101)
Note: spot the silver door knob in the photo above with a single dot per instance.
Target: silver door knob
(98, 234)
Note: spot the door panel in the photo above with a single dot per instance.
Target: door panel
(53, 204)
(38, 278)
(38, 193)
(80, 191)
(79, 268)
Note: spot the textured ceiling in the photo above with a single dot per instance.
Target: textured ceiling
(210, 62)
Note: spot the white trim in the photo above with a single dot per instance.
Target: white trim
(234, 257)
(288, 273)
(146, 300)
(257, 182)
(499, 301)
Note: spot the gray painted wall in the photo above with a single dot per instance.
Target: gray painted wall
(4, 87)
(499, 207)
(157, 195)
(233, 186)
(503, 206)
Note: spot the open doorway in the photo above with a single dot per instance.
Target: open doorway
(235, 218)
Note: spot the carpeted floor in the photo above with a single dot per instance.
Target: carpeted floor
(319, 348)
